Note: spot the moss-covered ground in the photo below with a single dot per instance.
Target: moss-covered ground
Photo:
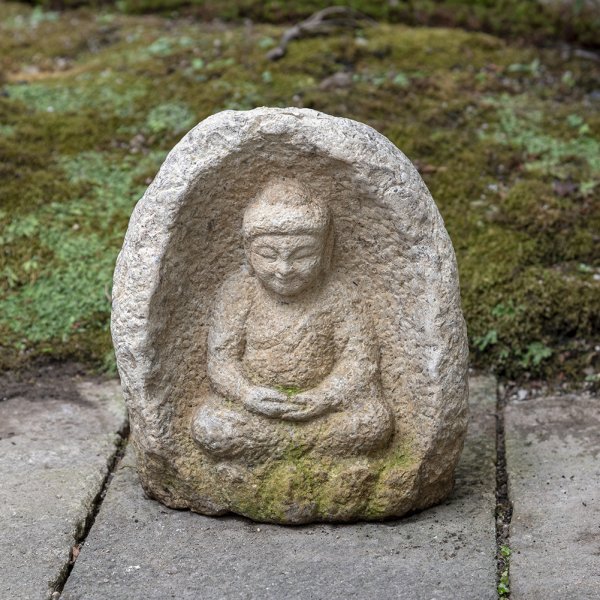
(505, 135)
(569, 20)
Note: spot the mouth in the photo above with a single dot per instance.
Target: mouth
(286, 285)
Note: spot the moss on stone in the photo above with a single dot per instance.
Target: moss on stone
(321, 488)
(290, 390)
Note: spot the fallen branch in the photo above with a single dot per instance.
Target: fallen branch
(324, 21)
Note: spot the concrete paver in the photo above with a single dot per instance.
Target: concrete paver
(54, 455)
(553, 463)
(138, 549)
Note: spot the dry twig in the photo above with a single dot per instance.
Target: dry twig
(324, 21)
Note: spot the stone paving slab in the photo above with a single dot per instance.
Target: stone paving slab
(140, 550)
(553, 463)
(55, 446)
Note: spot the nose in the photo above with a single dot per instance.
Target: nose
(284, 268)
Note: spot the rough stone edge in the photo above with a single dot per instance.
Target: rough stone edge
(199, 152)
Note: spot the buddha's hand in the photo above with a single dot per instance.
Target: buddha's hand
(267, 402)
(308, 406)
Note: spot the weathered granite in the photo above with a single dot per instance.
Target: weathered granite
(139, 550)
(54, 454)
(553, 464)
(287, 324)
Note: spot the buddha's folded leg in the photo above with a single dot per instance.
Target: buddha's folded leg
(364, 427)
(228, 432)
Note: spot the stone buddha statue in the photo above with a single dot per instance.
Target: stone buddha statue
(292, 359)
(268, 371)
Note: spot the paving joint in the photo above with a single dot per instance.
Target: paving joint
(503, 503)
(87, 524)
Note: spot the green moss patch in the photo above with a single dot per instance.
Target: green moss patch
(290, 390)
(321, 488)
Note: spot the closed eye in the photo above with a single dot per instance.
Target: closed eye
(304, 253)
(265, 253)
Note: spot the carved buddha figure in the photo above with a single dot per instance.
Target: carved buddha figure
(292, 357)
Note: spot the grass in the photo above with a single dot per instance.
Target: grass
(504, 134)
(504, 579)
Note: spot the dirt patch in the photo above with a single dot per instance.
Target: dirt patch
(43, 381)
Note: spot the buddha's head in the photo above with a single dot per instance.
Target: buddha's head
(288, 238)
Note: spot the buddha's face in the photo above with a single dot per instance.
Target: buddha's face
(287, 264)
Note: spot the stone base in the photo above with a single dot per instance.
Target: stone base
(297, 491)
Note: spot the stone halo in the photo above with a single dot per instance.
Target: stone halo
(184, 239)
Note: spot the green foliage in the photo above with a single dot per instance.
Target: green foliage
(532, 68)
(60, 293)
(525, 129)
(170, 117)
(535, 353)
(483, 341)
(98, 93)
(503, 585)
(503, 581)
(33, 19)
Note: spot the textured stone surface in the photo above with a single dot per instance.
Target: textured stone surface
(139, 550)
(54, 455)
(291, 354)
(309, 253)
(552, 453)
